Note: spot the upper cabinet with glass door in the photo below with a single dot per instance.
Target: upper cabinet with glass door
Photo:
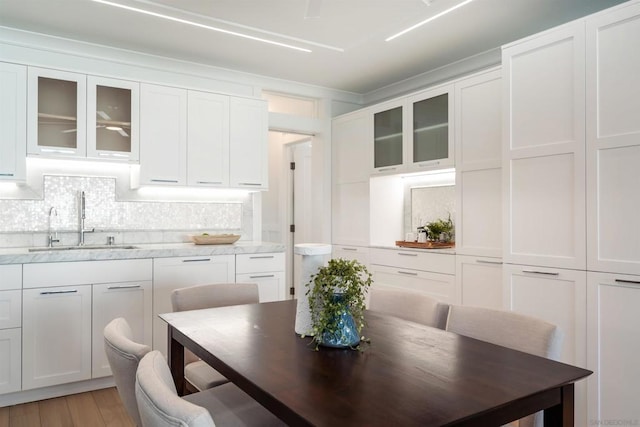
(79, 116)
(388, 138)
(56, 113)
(112, 119)
(430, 145)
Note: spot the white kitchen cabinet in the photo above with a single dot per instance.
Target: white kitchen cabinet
(13, 122)
(163, 135)
(56, 113)
(479, 281)
(113, 119)
(613, 346)
(430, 273)
(130, 300)
(56, 335)
(10, 328)
(351, 153)
(478, 150)
(544, 149)
(179, 272)
(613, 141)
(388, 137)
(267, 270)
(352, 253)
(248, 146)
(557, 296)
(207, 139)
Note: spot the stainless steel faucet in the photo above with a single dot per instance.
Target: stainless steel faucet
(83, 230)
(52, 237)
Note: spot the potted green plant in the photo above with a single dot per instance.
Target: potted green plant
(337, 302)
(440, 230)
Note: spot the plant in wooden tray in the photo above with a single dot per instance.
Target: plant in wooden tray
(337, 301)
(440, 230)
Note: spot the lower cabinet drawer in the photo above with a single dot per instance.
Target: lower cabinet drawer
(260, 262)
(437, 285)
(271, 285)
(414, 260)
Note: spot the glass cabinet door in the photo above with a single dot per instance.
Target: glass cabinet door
(112, 119)
(56, 113)
(387, 138)
(431, 137)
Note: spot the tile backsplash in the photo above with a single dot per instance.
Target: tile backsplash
(27, 222)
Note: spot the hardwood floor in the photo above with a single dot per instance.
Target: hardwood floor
(92, 409)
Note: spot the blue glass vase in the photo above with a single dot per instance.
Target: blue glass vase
(346, 335)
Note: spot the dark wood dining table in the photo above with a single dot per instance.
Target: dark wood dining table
(408, 375)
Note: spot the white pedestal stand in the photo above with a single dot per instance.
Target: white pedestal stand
(312, 259)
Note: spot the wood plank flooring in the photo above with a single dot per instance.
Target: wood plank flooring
(92, 409)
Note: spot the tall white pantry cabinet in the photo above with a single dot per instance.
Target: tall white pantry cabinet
(572, 197)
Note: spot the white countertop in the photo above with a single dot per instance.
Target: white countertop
(161, 250)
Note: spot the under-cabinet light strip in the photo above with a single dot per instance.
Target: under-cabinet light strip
(196, 24)
(419, 24)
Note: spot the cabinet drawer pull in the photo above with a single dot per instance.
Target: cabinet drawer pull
(197, 260)
(124, 287)
(262, 276)
(349, 249)
(250, 183)
(484, 261)
(59, 292)
(209, 182)
(171, 181)
(548, 273)
(635, 282)
(6, 174)
(262, 257)
(427, 164)
(409, 273)
(386, 169)
(406, 254)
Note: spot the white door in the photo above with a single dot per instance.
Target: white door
(300, 203)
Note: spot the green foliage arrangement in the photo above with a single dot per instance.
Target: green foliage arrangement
(440, 227)
(348, 278)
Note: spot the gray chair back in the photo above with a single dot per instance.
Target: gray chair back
(158, 401)
(409, 305)
(124, 355)
(508, 329)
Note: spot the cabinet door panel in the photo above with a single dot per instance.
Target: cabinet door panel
(208, 139)
(131, 300)
(248, 143)
(174, 273)
(614, 345)
(351, 148)
(13, 123)
(56, 336)
(271, 285)
(10, 309)
(11, 356)
(479, 281)
(351, 213)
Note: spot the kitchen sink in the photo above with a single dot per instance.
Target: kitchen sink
(82, 248)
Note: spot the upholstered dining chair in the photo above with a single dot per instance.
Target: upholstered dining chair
(226, 405)
(124, 355)
(198, 375)
(508, 329)
(409, 305)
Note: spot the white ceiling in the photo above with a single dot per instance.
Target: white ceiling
(358, 27)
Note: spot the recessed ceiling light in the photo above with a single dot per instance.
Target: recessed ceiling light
(431, 18)
(196, 24)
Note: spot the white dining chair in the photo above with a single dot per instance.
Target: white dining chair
(508, 329)
(123, 355)
(409, 305)
(198, 375)
(160, 406)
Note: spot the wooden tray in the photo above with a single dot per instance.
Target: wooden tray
(426, 245)
(215, 239)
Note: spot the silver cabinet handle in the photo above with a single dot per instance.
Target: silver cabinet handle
(173, 181)
(124, 287)
(6, 174)
(197, 260)
(635, 282)
(484, 261)
(250, 183)
(426, 164)
(209, 182)
(262, 257)
(59, 292)
(263, 276)
(386, 169)
(349, 249)
(408, 273)
(406, 254)
(547, 273)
